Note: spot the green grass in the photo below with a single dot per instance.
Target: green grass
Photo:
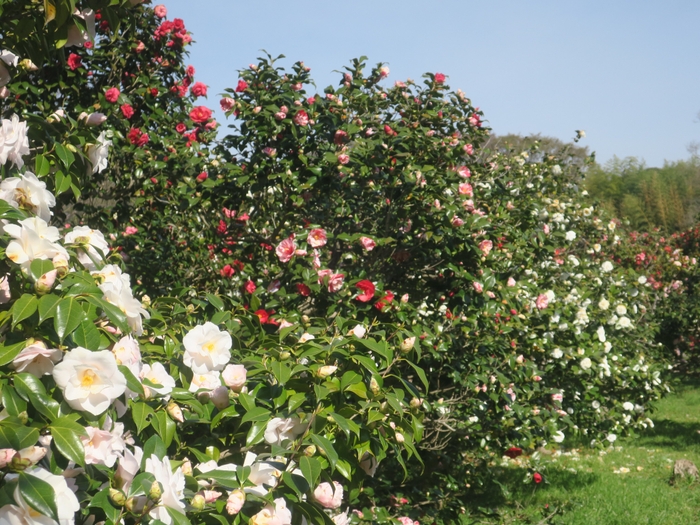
(585, 487)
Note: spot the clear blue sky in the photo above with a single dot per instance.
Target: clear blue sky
(625, 71)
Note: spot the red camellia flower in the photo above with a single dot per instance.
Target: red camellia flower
(190, 71)
(127, 111)
(112, 95)
(367, 288)
(227, 271)
(262, 315)
(537, 478)
(513, 452)
(250, 286)
(137, 137)
(301, 118)
(199, 89)
(384, 301)
(439, 78)
(74, 61)
(202, 176)
(181, 128)
(242, 86)
(303, 290)
(200, 114)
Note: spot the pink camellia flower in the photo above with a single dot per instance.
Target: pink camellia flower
(227, 103)
(200, 114)
(367, 243)
(37, 360)
(486, 247)
(542, 301)
(405, 520)
(301, 118)
(112, 95)
(367, 288)
(384, 71)
(130, 230)
(439, 78)
(139, 47)
(329, 496)
(466, 189)
(340, 137)
(343, 158)
(280, 115)
(457, 222)
(317, 238)
(160, 11)
(335, 282)
(242, 86)
(234, 377)
(250, 286)
(478, 287)
(464, 172)
(235, 502)
(199, 89)
(469, 149)
(270, 152)
(127, 111)
(285, 250)
(545, 229)
(511, 281)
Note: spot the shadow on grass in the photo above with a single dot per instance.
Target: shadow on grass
(507, 489)
(671, 434)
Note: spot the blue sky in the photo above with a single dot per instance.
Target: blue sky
(625, 71)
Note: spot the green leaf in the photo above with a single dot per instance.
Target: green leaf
(38, 494)
(164, 426)
(68, 443)
(47, 306)
(132, 383)
(281, 371)
(101, 501)
(421, 375)
(256, 433)
(66, 155)
(215, 301)
(42, 166)
(23, 308)
(178, 518)
(87, 336)
(325, 445)
(346, 425)
(154, 445)
(140, 413)
(69, 314)
(113, 312)
(256, 414)
(39, 267)
(311, 469)
(14, 404)
(8, 353)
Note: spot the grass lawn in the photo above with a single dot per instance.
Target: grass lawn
(627, 485)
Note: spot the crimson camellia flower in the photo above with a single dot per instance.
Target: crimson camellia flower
(367, 288)
(384, 301)
(227, 271)
(200, 114)
(127, 111)
(74, 61)
(242, 86)
(513, 452)
(303, 290)
(112, 95)
(262, 315)
(439, 78)
(250, 286)
(137, 137)
(202, 176)
(181, 128)
(537, 478)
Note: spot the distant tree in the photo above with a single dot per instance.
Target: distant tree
(546, 146)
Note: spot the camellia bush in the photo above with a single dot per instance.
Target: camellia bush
(161, 410)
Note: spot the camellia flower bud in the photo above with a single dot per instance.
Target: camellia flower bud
(235, 502)
(32, 454)
(175, 412)
(326, 371)
(399, 437)
(117, 497)
(407, 344)
(186, 467)
(374, 386)
(60, 264)
(156, 491)
(6, 455)
(46, 282)
(198, 502)
(416, 402)
(219, 396)
(310, 450)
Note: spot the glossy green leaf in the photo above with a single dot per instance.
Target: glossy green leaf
(38, 494)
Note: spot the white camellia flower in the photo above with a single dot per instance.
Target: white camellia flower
(234, 377)
(283, 429)
(205, 381)
(601, 334)
(607, 266)
(28, 193)
(206, 348)
(642, 279)
(623, 322)
(92, 247)
(14, 142)
(116, 287)
(628, 406)
(129, 466)
(359, 331)
(570, 235)
(558, 437)
(9, 58)
(611, 438)
(262, 475)
(603, 304)
(329, 496)
(620, 309)
(90, 381)
(32, 239)
(158, 375)
(278, 514)
(126, 352)
(173, 488)
(557, 353)
(98, 153)
(585, 363)
(22, 514)
(104, 447)
(37, 360)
